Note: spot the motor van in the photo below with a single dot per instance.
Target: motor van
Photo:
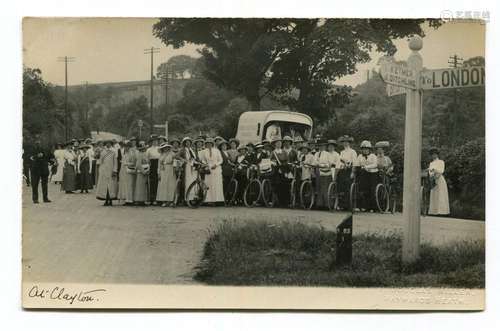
(255, 126)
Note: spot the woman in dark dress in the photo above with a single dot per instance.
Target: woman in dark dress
(85, 169)
(69, 170)
(227, 168)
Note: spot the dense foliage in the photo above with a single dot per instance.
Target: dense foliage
(256, 252)
(295, 60)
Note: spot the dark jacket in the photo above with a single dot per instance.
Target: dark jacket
(40, 159)
(227, 168)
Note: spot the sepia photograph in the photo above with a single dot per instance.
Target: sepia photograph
(254, 163)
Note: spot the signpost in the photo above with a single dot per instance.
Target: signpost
(140, 123)
(452, 78)
(161, 126)
(408, 77)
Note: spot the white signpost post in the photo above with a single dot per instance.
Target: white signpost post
(408, 77)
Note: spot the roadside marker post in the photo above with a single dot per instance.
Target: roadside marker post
(409, 78)
(163, 126)
(412, 158)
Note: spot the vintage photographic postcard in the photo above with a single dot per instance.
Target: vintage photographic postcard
(251, 163)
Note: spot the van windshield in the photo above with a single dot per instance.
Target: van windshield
(279, 129)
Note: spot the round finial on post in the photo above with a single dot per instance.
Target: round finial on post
(415, 43)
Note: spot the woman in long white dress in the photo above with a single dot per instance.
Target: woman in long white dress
(59, 156)
(212, 157)
(438, 201)
(127, 175)
(166, 175)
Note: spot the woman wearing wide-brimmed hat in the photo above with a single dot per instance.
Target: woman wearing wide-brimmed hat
(439, 200)
(69, 170)
(227, 164)
(188, 156)
(326, 163)
(345, 174)
(126, 184)
(57, 177)
(142, 178)
(153, 156)
(367, 176)
(233, 149)
(212, 157)
(280, 182)
(166, 175)
(84, 168)
(107, 185)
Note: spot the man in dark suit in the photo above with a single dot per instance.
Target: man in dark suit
(40, 160)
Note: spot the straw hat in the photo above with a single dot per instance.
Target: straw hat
(366, 144)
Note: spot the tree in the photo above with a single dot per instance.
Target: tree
(237, 53)
(120, 119)
(203, 99)
(258, 57)
(178, 65)
(40, 116)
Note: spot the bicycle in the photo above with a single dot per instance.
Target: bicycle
(267, 192)
(353, 193)
(384, 194)
(253, 190)
(197, 189)
(178, 171)
(294, 184)
(231, 191)
(307, 192)
(424, 192)
(333, 195)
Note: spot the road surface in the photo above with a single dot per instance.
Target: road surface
(76, 239)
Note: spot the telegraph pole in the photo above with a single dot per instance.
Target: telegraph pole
(86, 100)
(66, 59)
(151, 51)
(454, 62)
(165, 76)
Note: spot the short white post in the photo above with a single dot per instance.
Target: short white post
(166, 129)
(412, 157)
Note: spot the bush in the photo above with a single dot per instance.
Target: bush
(292, 253)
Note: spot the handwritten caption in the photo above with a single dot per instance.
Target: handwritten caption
(65, 295)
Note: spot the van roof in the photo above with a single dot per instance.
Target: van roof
(278, 115)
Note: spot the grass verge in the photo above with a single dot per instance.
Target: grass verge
(295, 254)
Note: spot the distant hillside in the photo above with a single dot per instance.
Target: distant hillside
(111, 95)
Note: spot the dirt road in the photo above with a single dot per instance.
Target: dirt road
(75, 239)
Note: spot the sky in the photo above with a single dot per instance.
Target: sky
(112, 49)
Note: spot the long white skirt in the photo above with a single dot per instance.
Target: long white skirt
(58, 176)
(215, 191)
(438, 202)
(190, 175)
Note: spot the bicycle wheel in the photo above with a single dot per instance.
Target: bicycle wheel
(392, 200)
(267, 193)
(423, 202)
(177, 192)
(333, 197)
(293, 195)
(307, 194)
(252, 193)
(353, 192)
(231, 191)
(196, 193)
(382, 198)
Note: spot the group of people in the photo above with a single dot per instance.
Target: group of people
(148, 173)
